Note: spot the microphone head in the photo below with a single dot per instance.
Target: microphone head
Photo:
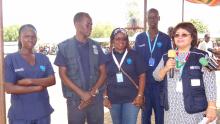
(203, 61)
(171, 53)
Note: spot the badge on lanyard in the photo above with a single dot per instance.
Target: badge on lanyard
(179, 86)
(151, 61)
(119, 77)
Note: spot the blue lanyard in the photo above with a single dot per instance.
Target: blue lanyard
(149, 43)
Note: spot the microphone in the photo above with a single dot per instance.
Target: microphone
(209, 63)
(171, 54)
(213, 51)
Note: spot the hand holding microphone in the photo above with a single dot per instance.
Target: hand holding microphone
(171, 62)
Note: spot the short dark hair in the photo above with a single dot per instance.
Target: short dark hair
(23, 28)
(115, 32)
(79, 15)
(190, 28)
(153, 10)
(207, 35)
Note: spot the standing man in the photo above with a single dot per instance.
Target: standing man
(152, 45)
(82, 72)
(207, 43)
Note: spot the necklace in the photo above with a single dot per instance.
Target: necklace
(180, 64)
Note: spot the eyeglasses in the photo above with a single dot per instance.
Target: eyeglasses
(181, 35)
(121, 39)
(122, 30)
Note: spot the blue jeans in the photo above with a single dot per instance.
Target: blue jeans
(125, 113)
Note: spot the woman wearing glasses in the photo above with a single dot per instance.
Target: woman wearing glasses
(191, 93)
(125, 80)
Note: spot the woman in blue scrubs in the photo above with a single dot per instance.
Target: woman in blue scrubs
(123, 97)
(27, 76)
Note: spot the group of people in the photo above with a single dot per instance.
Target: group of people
(126, 80)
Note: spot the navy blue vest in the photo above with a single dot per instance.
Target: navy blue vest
(194, 96)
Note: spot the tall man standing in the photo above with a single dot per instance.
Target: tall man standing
(82, 72)
(152, 45)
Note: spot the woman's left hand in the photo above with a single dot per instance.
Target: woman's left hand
(138, 101)
(211, 114)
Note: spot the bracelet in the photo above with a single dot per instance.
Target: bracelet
(212, 107)
(105, 97)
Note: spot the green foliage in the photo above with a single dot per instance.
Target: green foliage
(201, 28)
(102, 30)
(133, 9)
(133, 17)
(10, 33)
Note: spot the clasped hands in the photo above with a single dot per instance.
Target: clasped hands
(86, 99)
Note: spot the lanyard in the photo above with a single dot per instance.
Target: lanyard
(122, 60)
(183, 64)
(149, 43)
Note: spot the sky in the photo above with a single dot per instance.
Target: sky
(53, 18)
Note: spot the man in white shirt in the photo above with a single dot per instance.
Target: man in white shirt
(207, 43)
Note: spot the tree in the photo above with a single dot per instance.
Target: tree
(133, 17)
(102, 30)
(10, 33)
(201, 28)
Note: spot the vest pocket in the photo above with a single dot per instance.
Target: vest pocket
(196, 101)
(72, 67)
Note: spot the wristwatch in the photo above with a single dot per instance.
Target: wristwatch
(96, 92)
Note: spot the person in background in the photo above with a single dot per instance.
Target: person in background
(152, 45)
(125, 82)
(27, 76)
(216, 53)
(170, 33)
(191, 93)
(82, 71)
(207, 43)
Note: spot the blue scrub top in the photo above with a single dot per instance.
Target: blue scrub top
(83, 49)
(123, 92)
(142, 47)
(28, 106)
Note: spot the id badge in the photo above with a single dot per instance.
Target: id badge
(195, 82)
(119, 77)
(179, 86)
(151, 62)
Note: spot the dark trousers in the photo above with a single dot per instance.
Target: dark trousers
(153, 103)
(93, 114)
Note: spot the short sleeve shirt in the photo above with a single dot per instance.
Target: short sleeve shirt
(30, 105)
(133, 65)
